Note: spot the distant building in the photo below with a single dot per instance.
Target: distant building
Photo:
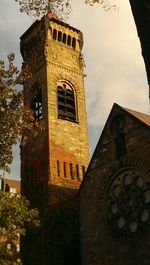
(10, 185)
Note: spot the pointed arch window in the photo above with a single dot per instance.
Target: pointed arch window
(36, 103)
(66, 102)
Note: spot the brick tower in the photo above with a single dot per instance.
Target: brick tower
(54, 162)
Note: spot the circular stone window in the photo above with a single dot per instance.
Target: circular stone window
(127, 198)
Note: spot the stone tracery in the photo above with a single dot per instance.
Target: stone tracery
(128, 202)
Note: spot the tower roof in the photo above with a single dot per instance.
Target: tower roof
(51, 15)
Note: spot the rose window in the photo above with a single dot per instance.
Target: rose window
(128, 202)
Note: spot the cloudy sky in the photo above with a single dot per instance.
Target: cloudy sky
(114, 65)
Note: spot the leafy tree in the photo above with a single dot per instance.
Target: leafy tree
(62, 8)
(39, 8)
(15, 218)
(14, 117)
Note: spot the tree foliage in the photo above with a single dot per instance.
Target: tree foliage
(15, 215)
(38, 8)
(106, 4)
(14, 117)
(15, 218)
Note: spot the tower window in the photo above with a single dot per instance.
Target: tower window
(64, 38)
(36, 103)
(69, 40)
(66, 103)
(59, 35)
(54, 34)
(74, 43)
(65, 173)
(58, 168)
(71, 170)
(83, 171)
(77, 171)
(9, 246)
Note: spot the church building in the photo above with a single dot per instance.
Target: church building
(95, 213)
(115, 193)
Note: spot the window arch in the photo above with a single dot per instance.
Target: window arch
(36, 102)
(66, 102)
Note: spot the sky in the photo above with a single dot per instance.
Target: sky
(115, 70)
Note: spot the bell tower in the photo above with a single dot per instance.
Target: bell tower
(54, 162)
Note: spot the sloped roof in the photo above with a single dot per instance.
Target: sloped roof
(14, 185)
(145, 118)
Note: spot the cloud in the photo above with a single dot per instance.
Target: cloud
(12, 25)
(114, 64)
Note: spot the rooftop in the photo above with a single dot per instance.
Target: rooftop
(11, 185)
(145, 118)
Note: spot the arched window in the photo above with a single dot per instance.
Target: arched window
(66, 102)
(36, 103)
(58, 168)
(73, 42)
(54, 34)
(69, 40)
(77, 172)
(64, 38)
(59, 35)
